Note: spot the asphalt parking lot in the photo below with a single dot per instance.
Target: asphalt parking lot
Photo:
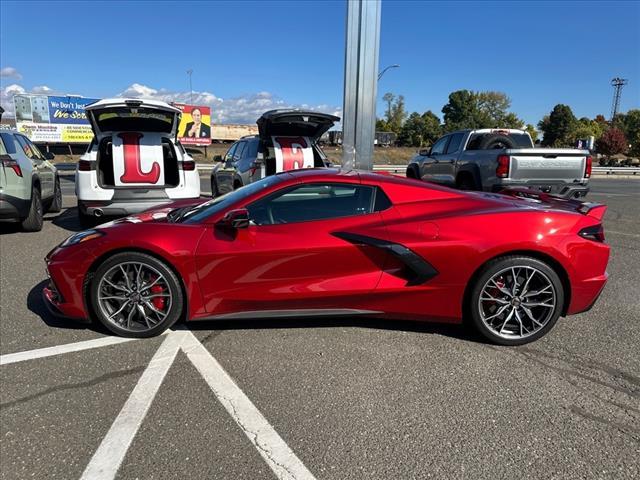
(338, 399)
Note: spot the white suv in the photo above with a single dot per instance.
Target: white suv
(134, 161)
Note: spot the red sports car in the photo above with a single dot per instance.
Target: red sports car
(323, 242)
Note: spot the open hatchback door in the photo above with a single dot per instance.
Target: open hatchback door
(134, 161)
(290, 138)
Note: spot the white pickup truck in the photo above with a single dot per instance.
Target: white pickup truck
(491, 160)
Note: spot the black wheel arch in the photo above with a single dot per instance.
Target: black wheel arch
(473, 172)
(543, 257)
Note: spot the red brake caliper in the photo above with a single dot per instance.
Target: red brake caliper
(158, 302)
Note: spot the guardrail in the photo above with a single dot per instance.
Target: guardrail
(69, 169)
(403, 168)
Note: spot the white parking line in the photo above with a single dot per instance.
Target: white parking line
(105, 462)
(60, 349)
(258, 430)
(108, 457)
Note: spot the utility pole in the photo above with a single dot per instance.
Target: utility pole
(190, 72)
(617, 84)
(360, 83)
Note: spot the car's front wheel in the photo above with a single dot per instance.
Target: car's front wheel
(136, 295)
(516, 300)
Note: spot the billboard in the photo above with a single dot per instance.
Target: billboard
(53, 119)
(195, 125)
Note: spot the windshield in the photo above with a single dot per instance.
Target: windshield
(218, 204)
(125, 119)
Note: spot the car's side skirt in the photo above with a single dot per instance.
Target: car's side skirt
(296, 312)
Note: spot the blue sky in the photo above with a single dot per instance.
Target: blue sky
(251, 56)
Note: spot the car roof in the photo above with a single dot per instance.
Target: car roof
(398, 189)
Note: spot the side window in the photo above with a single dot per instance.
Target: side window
(239, 150)
(310, 202)
(229, 155)
(22, 141)
(454, 144)
(438, 147)
(36, 151)
(251, 152)
(9, 143)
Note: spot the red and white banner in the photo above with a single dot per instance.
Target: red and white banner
(292, 153)
(137, 159)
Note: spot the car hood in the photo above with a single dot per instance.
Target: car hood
(133, 115)
(157, 215)
(295, 123)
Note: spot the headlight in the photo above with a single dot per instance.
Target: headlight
(81, 237)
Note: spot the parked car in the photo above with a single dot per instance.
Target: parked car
(134, 161)
(29, 182)
(491, 160)
(286, 140)
(324, 242)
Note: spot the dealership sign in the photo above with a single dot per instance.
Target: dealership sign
(53, 119)
(195, 125)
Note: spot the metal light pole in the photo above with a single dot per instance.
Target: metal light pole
(190, 72)
(387, 68)
(360, 83)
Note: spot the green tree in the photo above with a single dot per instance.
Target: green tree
(559, 127)
(398, 114)
(631, 129)
(461, 111)
(467, 109)
(381, 125)
(389, 98)
(432, 128)
(586, 128)
(411, 133)
(533, 133)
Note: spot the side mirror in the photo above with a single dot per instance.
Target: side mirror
(217, 158)
(425, 152)
(49, 155)
(238, 218)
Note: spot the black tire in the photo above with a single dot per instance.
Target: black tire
(505, 264)
(56, 203)
(412, 172)
(466, 182)
(496, 141)
(215, 192)
(33, 222)
(173, 314)
(237, 184)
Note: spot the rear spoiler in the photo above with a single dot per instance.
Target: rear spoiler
(591, 209)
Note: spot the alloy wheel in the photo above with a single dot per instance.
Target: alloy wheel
(517, 302)
(134, 296)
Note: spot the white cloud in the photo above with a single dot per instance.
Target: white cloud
(10, 72)
(243, 109)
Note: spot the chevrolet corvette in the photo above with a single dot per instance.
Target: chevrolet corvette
(325, 242)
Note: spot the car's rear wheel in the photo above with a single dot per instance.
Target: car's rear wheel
(33, 222)
(56, 203)
(516, 300)
(136, 295)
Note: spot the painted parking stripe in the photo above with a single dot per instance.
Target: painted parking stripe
(105, 462)
(60, 349)
(273, 449)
